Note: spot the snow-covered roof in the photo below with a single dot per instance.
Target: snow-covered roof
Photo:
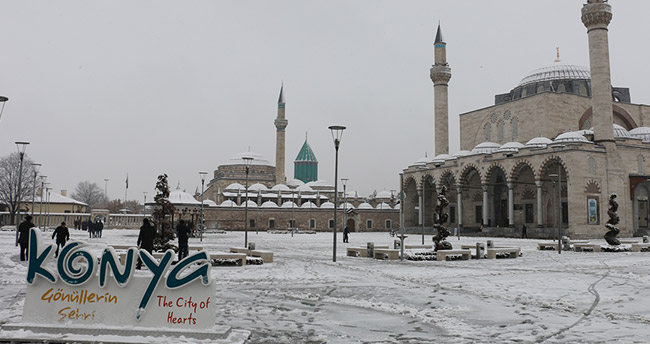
(228, 203)
(462, 152)
(209, 203)
(351, 194)
(57, 199)
(280, 187)
(327, 205)
(569, 137)
(397, 206)
(320, 184)
(440, 158)
(365, 205)
(485, 148)
(512, 146)
(383, 206)
(257, 187)
(234, 186)
(539, 142)
(295, 182)
(346, 205)
(179, 196)
(250, 203)
(642, 133)
(238, 159)
(308, 204)
(305, 188)
(620, 132)
(383, 194)
(422, 161)
(289, 204)
(269, 204)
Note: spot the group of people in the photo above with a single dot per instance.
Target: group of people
(148, 233)
(61, 233)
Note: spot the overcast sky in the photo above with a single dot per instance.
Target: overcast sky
(106, 88)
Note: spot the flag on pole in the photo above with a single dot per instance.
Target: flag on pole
(127, 180)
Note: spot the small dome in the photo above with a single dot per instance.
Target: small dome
(510, 147)
(461, 153)
(228, 203)
(485, 148)
(308, 204)
(620, 132)
(289, 204)
(305, 188)
(257, 187)
(557, 72)
(365, 205)
(397, 206)
(346, 205)
(327, 205)
(383, 194)
(383, 206)
(251, 204)
(320, 184)
(209, 203)
(422, 161)
(280, 187)
(238, 159)
(540, 142)
(642, 133)
(235, 186)
(181, 197)
(295, 182)
(441, 158)
(351, 194)
(569, 137)
(269, 204)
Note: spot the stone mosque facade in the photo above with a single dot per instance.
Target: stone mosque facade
(277, 203)
(547, 154)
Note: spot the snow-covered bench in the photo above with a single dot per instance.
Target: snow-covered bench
(465, 254)
(240, 258)
(628, 241)
(546, 245)
(513, 252)
(588, 246)
(410, 247)
(239, 250)
(384, 253)
(357, 252)
(267, 256)
(636, 247)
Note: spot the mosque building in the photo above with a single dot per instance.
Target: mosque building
(275, 202)
(547, 154)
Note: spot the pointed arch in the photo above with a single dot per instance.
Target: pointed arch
(517, 168)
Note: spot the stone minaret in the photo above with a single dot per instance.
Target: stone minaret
(440, 75)
(280, 125)
(596, 15)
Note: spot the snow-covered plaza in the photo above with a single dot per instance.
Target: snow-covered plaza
(305, 297)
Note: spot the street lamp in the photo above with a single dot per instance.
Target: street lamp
(556, 219)
(106, 189)
(21, 151)
(345, 202)
(337, 134)
(202, 174)
(3, 100)
(40, 208)
(247, 161)
(36, 168)
(47, 211)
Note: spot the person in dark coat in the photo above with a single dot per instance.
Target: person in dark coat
(346, 232)
(182, 231)
(145, 238)
(23, 236)
(62, 235)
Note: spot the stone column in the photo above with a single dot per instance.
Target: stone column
(459, 205)
(485, 204)
(280, 125)
(540, 219)
(511, 204)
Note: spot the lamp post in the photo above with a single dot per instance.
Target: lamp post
(21, 151)
(556, 217)
(40, 208)
(247, 161)
(144, 204)
(337, 134)
(3, 100)
(202, 174)
(401, 214)
(345, 202)
(47, 211)
(36, 168)
(106, 189)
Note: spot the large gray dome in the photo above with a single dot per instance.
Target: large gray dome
(557, 72)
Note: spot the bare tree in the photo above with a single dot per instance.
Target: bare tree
(9, 170)
(115, 206)
(89, 193)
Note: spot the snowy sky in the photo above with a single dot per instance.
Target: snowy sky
(106, 88)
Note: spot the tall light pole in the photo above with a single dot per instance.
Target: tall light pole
(21, 151)
(144, 204)
(106, 189)
(337, 135)
(3, 100)
(202, 174)
(36, 168)
(47, 215)
(247, 162)
(401, 214)
(40, 208)
(345, 202)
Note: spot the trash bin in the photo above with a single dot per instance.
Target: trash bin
(251, 246)
(645, 239)
(371, 249)
(479, 250)
(566, 243)
(490, 244)
(397, 244)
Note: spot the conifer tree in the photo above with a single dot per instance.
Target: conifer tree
(163, 210)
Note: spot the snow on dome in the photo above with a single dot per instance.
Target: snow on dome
(289, 204)
(461, 153)
(305, 188)
(238, 159)
(557, 72)
(383, 206)
(620, 132)
(422, 161)
(540, 142)
(383, 194)
(365, 205)
(441, 158)
(295, 182)
(280, 187)
(320, 183)
(235, 186)
(228, 203)
(642, 133)
(251, 204)
(485, 148)
(269, 204)
(346, 205)
(308, 204)
(257, 187)
(327, 205)
(179, 196)
(570, 136)
(351, 194)
(209, 203)
(512, 146)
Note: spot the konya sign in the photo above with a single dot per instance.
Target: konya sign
(77, 288)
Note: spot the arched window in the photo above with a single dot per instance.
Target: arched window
(591, 163)
(488, 130)
(515, 128)
(500, 131)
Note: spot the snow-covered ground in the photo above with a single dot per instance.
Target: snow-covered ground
(304, 297)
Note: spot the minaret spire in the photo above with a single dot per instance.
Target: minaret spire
(280, 125)
(440, 75)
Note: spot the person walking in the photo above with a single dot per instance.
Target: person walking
(346, 233)
(145, 239)
(23, 237)
(523, 231)
(62, 235)
(182, 231)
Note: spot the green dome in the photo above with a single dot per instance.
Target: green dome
(305, 167)
(306, 154)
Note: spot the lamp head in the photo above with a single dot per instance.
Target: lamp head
(337, 134)
(22, 146)
(36, 167)
(202, 174)
(3, 99)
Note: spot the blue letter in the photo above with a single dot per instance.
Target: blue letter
(70, 274)
(36, 260)
(108, 259)
(203, 271)
(158, 271)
